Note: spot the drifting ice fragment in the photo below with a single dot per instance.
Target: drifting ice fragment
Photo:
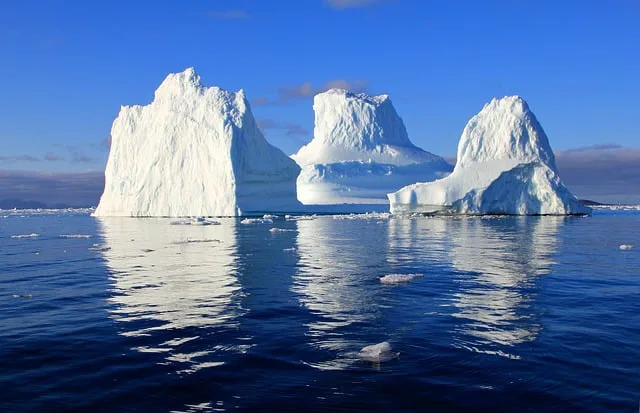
(33, 235)
(626, 247)
(398, 278)
(377, 353)
(249, 221)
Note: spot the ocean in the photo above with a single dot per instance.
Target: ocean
(511, 314)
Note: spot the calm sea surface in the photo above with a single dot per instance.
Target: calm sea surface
(511, 314)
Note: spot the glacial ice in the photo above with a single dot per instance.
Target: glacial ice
(626, 247)
(398, 278)
(194, 151)
(377, 353)
(360, 152)
(505, 166)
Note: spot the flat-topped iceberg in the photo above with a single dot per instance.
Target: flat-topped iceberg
(505, 166)
(360, 151)
(194, 151)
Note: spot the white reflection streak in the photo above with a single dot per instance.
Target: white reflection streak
(181, 278)
(330, 283)
(503, 261)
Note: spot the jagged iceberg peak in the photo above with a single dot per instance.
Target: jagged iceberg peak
(505, 166)
(358, 127)
(194, 151)
(504, 130)
(186, 86)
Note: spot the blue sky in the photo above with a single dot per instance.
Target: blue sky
(69, 65)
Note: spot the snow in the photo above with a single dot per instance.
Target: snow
(626, 247)
(251, 221)
(398, 278)
(505, 166)
(20, 236)
(194, 151)
(377, 353)
(360, 151)
(274, 230)
(197, 221)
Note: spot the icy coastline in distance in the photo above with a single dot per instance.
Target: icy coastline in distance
(505, 166)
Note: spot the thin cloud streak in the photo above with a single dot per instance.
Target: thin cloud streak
(80, 189)
(288, 94)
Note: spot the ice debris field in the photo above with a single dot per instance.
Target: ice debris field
(196, 151)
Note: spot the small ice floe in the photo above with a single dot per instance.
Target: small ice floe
(289, 249)
(300, 217)
(626, 247)
(274, 230)
(398, 278)
(32, 235)
(249, 221)
(269, 216)
(377, 353)
(22, 296)
(75, 236)
(196, 221)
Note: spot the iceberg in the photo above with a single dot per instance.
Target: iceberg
(194, 151)
(360, 151)
(505, 166)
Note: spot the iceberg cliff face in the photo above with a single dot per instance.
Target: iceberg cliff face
(194, 151)
(360, 151)
(505, 166)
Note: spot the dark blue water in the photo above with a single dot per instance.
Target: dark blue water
(512, 314)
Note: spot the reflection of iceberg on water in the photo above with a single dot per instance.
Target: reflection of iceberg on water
(504, 255)
(336, 282)
(172, 284)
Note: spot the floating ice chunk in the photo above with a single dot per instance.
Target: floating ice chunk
(289, 249)
(398, 278)
(33, 235)
(249, 221)
(626, 247)
(377, 353)
(269, 216)
(75, 236)
(197, 221)
(274, 230)
(22, 296)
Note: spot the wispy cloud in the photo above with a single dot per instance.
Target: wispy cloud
(77, 189)
(349, 4)
(291, 130)
(19, 158)
(81, 158)
(228, 14)
(53, 157)
(287, 94)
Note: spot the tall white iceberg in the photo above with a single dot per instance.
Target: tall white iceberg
(194, 151)
(360, 151)
(505, 166)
